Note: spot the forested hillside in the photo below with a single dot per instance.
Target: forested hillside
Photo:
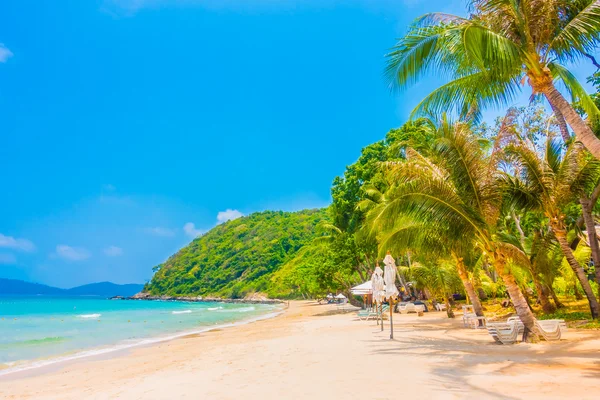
(239, 257)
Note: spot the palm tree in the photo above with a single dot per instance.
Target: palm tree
(541, 248)
(413, 236)
(456, 191)
(503, 44)
(439, 278)
(550, 184)
(434, 243)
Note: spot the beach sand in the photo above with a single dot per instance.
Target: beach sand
(303, 355)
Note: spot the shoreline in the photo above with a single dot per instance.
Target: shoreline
(197, 299)
(305, 353)
(22, 366)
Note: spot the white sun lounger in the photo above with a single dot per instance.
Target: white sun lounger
(405, 308)
(510, 331)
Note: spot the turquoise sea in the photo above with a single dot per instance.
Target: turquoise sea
(41, 330)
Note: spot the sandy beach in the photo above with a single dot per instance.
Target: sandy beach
(306, 354)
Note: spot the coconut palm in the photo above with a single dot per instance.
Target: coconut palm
(549, 184)
(490, 55)
(436, 244)
(439, 278)
(456, 191)
(542, 249)
(414, 236)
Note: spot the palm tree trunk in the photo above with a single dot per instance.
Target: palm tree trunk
(518, 300)
(562, 124)
(561, 236)
(547, 307)
(557, 302)
(576, 293)
(449, 310)
(582, 131)
(469, 288)
(590, 227)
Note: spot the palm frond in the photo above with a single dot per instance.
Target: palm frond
(580, 35)
(417, 52)
(491, 52)
(475, 90)
(575, 89)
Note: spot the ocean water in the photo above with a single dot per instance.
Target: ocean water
(40, 330)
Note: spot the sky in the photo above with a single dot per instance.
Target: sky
(129, 127)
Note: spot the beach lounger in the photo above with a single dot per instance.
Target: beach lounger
(505, 333)
(365, 315)
(440, 306)
(509, 332)
(474, 321)
(551, 329)
(405, 308)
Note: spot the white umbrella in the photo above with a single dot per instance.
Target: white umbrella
(341, 298)
(378, 285)
(389, 277)
(363, 288)
(378, 289)
(391, 291)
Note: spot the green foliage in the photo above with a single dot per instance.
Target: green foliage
(488, 56)
(243, 256)
(567, 315)
(439, 278)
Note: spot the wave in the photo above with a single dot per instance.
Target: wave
(85, 316)
(12, 368)
(240, 310)
(214, 308)
(182, 312)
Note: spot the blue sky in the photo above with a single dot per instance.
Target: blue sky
(130, 126)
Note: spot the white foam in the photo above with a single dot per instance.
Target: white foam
(182, 312)
(240, 310)
(89, 316)
(128, 345)
(214, 308)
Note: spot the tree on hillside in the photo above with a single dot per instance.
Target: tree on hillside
(500, 46)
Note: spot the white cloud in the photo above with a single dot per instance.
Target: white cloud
(158, 231)
(113, 251)
(5, 53)
(7, 258)
(17, 244)
(190, 230)
(228, 215)
(72, 253)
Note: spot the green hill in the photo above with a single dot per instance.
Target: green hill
(257, 253)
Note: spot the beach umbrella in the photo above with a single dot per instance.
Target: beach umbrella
(378, 288)
(391, 291)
